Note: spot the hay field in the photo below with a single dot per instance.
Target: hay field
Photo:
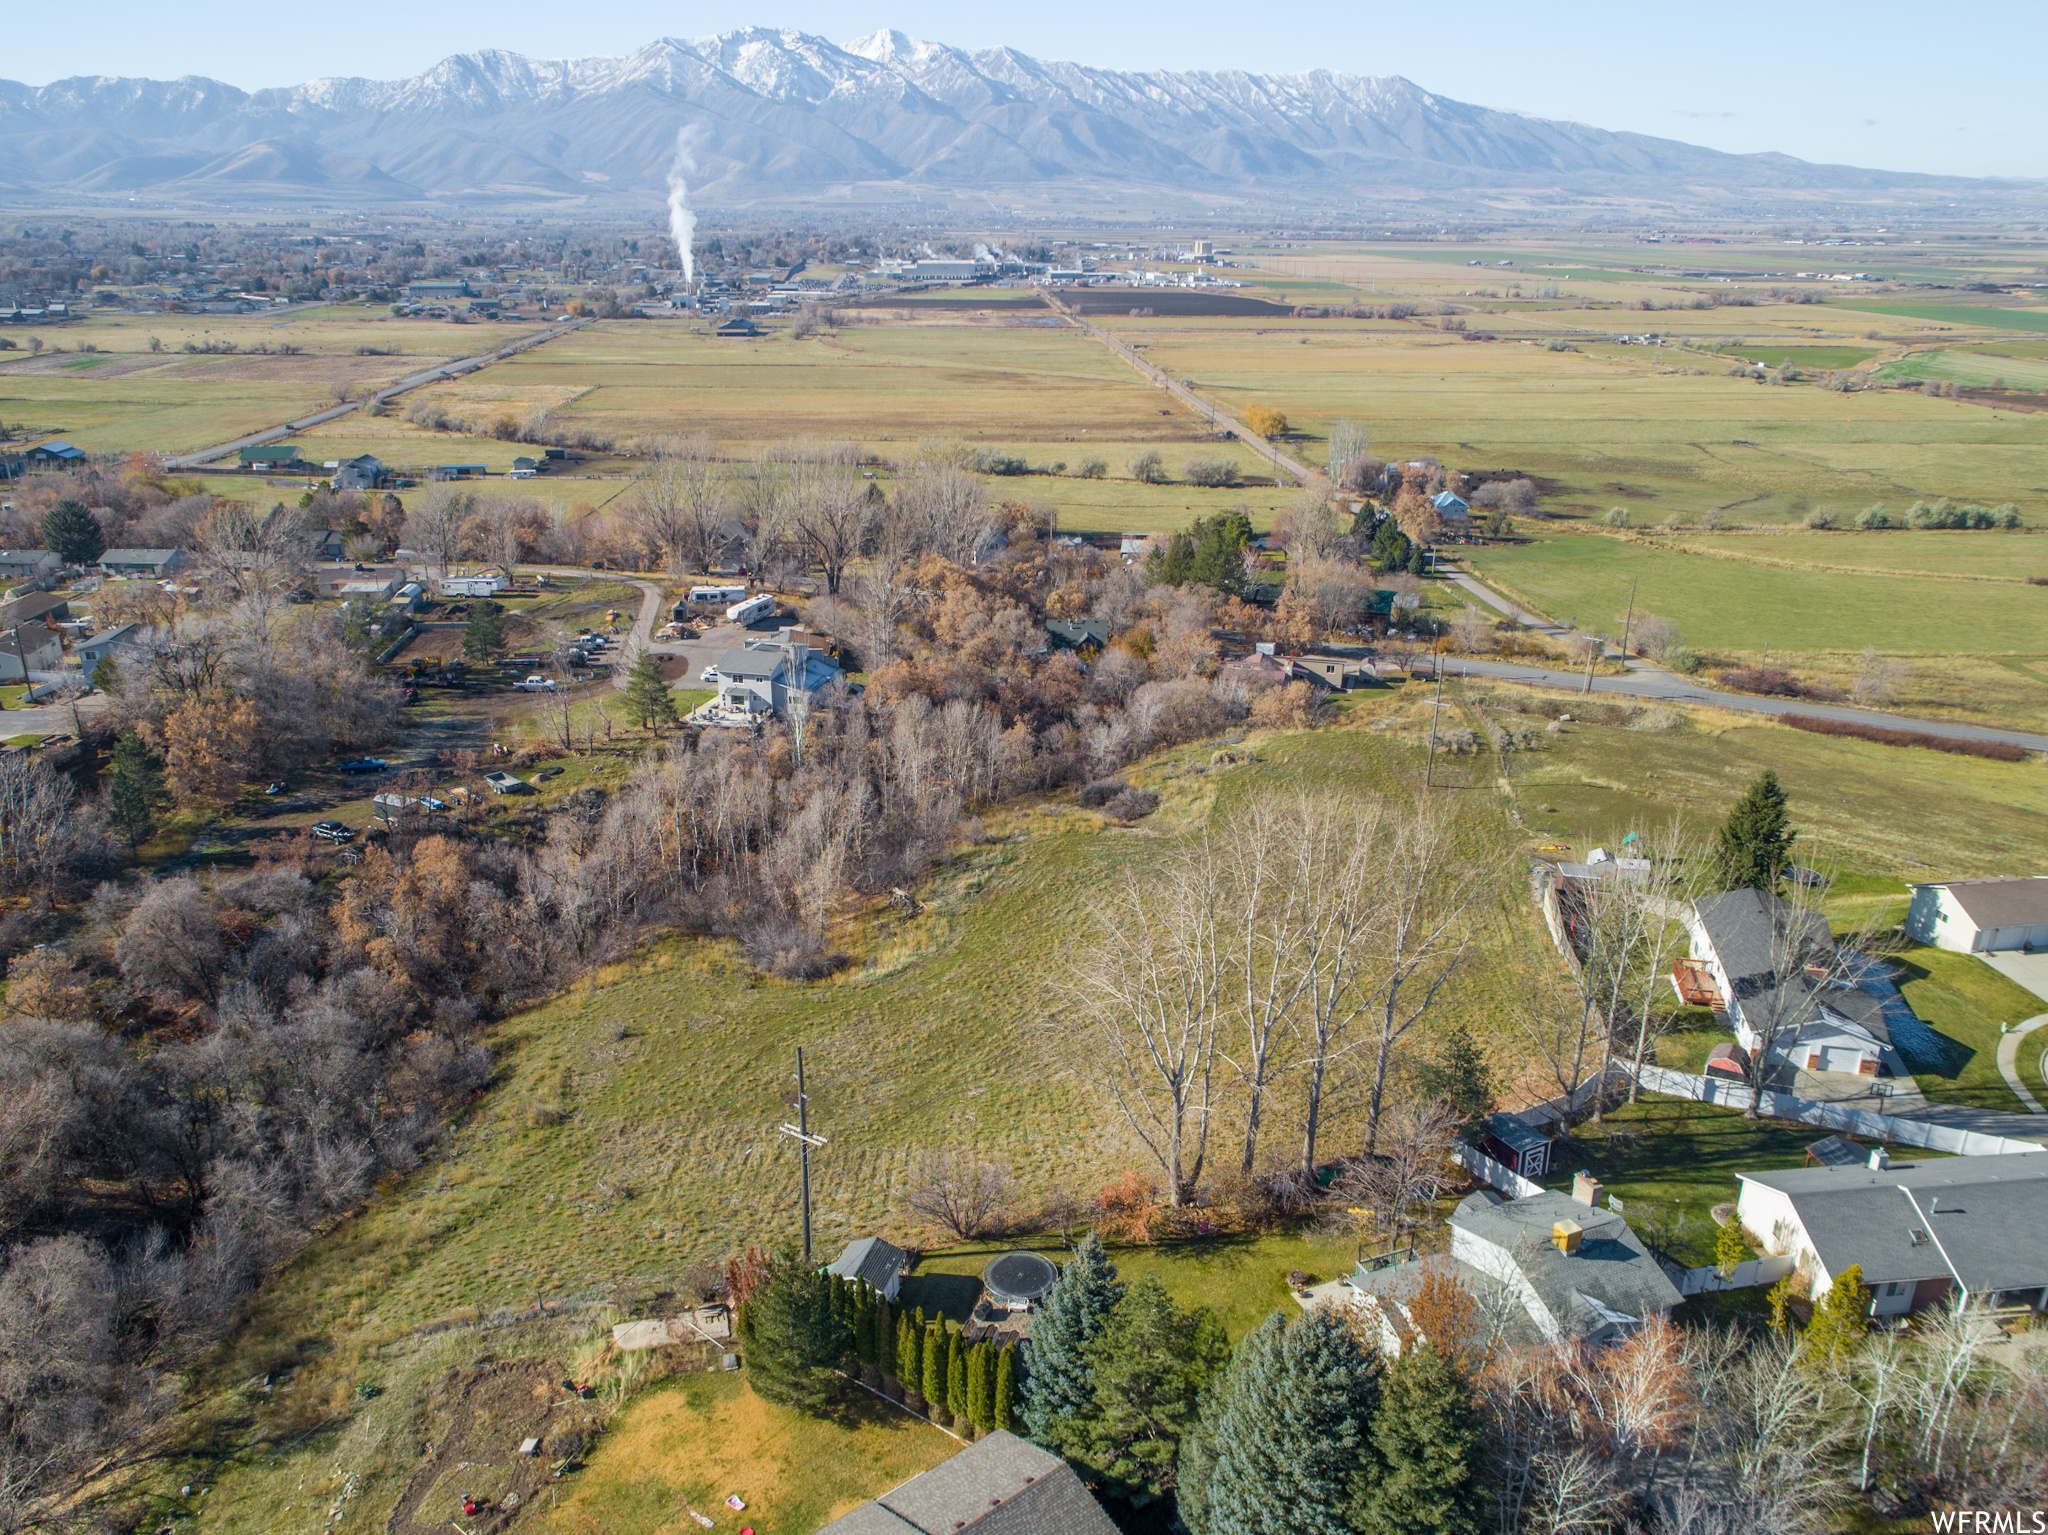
(1977, 369)
(126, 398)
(1743, 606)
(1612, 429)
(2005, 556)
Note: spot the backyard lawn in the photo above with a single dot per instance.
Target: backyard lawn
(1963, 1001)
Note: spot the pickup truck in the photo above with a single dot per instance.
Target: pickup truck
(536, 684)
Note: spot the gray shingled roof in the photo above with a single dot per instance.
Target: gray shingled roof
(752, 663)
(871, 1259)
(2018, 902)
(1611, 1266)
(1001, 1485)
(1988, 1215)
(1754, 934)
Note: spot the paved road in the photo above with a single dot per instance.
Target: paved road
(1259, 445)
(446, 370)
(1648, 682)
(2009, 1061)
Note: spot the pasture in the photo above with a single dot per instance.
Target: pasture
(1737, 606)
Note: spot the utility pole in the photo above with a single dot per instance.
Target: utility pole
(1629, 622)
(800, 1132)
(1595, 647)
(1436, 659)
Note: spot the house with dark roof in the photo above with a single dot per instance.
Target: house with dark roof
(756, 682)
(878, 1262)
(1083, 634)
(35, 607)
(1923, 1233)
(1548, 1268)
(156, 563)
(27, 564)
(1981, 915)
(1000, 1485)
(29, 649)
(365, 471)
(1775, 967)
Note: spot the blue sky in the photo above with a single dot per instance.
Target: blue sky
(1876, 83)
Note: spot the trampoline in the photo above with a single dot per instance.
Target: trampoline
(1017, 1280)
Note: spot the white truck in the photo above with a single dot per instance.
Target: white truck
(535, 684)
(487, 585)
(753, 608)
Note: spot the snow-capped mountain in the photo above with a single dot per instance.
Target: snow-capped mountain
(784, 118)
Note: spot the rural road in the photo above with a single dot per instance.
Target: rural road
(1181, 392)
(1494, 600)
(1647, 682)
(2009, 1061)
(446, 370)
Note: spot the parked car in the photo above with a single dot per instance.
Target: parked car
(361, 765)
(333, 831)
(504, 783)
(536, 683)
(276, 787)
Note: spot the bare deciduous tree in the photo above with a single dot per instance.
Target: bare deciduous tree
(678, 503)
(1144, 1007)
(966, 1195)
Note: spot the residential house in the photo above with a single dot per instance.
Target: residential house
(1452, 509)
(1086, 635)
(1255, 671)
(1775, 968)
(55, 455)
(755, 683)
(155, 563)
(1981, 915)
(1966, 1228)
(1551, 1267)
(273, 458)
(878, 1262)
(34, 607)
(999, 1485)
(1340, 674)
(90, 652)
(335, 580)
(27, 564)
(29, 649)
(363, 472)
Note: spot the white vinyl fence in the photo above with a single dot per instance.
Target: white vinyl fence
(1834, 1116)
(1506, 1179)
(1747, 1275)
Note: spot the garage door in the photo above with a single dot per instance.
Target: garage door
(1839, 1058)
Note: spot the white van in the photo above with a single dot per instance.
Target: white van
(717, 596)
(753, 608)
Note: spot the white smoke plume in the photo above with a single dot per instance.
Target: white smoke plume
(682, 223)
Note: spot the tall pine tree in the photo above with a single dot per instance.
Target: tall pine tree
(1004, 1405)
(1151, 1364)
(484, 637)
(73, 533)
(1756, 842)
(980, 1359)
(909, 1356)
(882, 1328)
(1061, 1385)
(649, 699)
(1427, 1438)
(790, 1338)
(1287, 1427)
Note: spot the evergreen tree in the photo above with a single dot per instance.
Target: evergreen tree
(882, 1329)
(1218, 559)
(106, 676)
(1061, 1385)
(1151, 1363)
(1459, 1075)
(1418, 559)
(909, 1358)
(73, 534)
(483, 640)
(135, 787)
(1289, 1427)
(1168, 564)
(864, 1326)
(1756, 844)
(980, 1380)
(1003, 1404)
(1730, 1248)
(648, 699)
(956, 1378)
(933, 1387)
(1427, 1437)
(1841, 1319)
(1390, 546)
(790, 1338)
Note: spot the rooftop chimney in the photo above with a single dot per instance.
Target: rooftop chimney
(1586, 1188)
(1566, 1235)
(1880, 1159)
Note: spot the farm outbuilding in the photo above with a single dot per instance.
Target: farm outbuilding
(878, 1262)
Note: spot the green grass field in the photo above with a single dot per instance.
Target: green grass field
(1960, 314)
(1965, 1001)
(1978, 369)
(1910, 552)
(1740, 606)
(1803, 356)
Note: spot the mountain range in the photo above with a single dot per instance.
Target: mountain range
(782, 119)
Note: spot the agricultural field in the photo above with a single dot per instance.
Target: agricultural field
(1730, 607)
(1974, 367)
